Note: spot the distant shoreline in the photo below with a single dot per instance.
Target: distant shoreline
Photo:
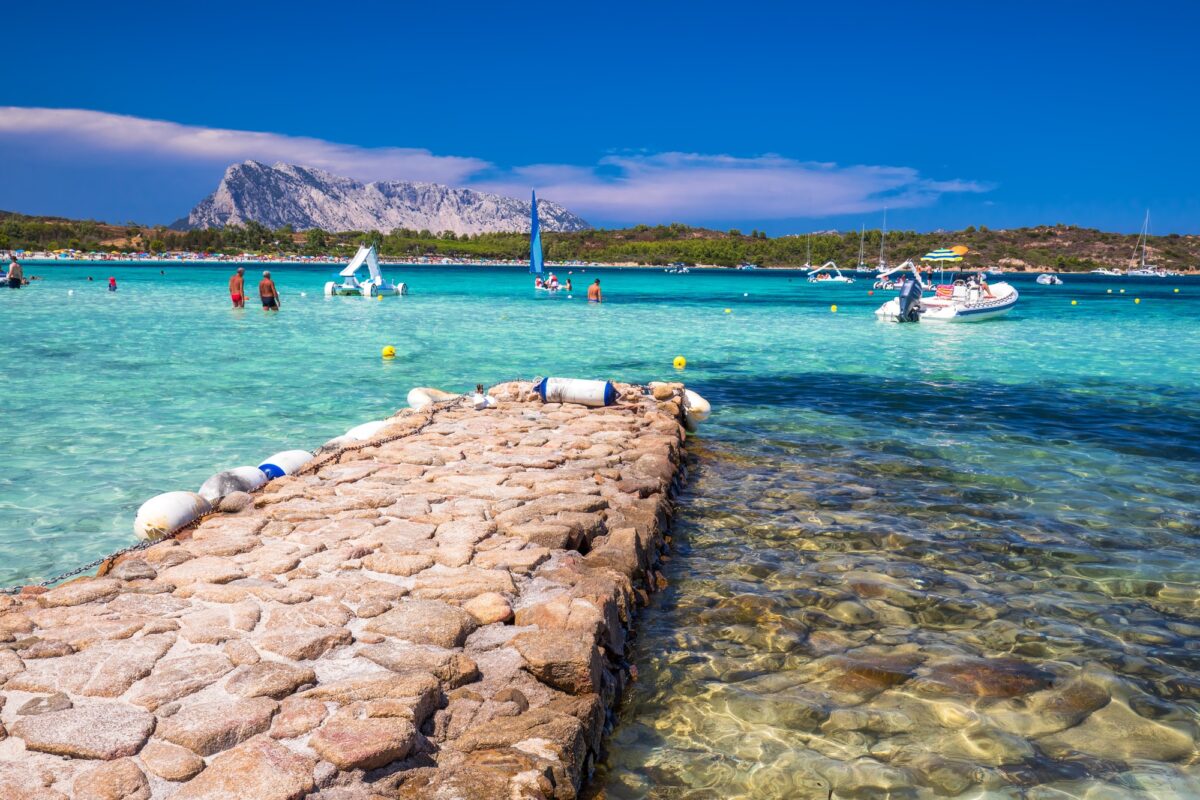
(52, 261)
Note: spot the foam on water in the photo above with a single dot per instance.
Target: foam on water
(868, 504)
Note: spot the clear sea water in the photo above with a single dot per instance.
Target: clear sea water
(1021, 489)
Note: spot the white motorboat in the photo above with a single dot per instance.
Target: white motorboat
(967, 298)
(828, 273)
(1115, 273)
(1047, 279)
(862, 268)
(375, 284)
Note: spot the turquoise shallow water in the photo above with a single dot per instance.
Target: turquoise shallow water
(1023, 488)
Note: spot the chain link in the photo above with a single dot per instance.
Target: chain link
(317, 463)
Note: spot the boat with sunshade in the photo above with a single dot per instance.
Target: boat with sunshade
(968, 297)
(828, 273)
(374, 285)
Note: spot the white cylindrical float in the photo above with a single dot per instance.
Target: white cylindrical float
(360, 433)
(166, 513)
(695, 409)
(423, 397)
(285, 463)
(483, 401)
(574, 390)
(238, 479)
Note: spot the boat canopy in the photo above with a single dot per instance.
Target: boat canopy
(826, 267)
(365, 255)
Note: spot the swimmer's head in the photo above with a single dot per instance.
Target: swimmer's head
(241, 270)
(266, 273)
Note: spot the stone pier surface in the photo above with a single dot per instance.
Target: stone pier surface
(438, 615)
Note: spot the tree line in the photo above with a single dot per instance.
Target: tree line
(1058, 247)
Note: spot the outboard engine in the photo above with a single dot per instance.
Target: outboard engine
(910, 301)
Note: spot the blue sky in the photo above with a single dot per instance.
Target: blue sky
(783, 117)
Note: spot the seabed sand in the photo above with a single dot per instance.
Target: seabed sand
(441, 613)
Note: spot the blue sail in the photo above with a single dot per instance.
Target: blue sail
(535, 241)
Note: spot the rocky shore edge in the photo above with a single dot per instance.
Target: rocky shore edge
(437, 615)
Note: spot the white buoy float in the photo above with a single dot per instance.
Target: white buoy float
(238, 479)
(360, 433)
(423, 397)
(285, 463)
(695, 409)
(483, 401)
(574, 390)
(166, 513)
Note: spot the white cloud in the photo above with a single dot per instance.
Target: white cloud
(664, 187)
(97, 130)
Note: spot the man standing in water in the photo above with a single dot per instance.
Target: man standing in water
(16, 275)
(237, 288)
(594, 292)
(268, 293)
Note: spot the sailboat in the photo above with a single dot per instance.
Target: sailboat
(883, 267)
(862, 268)
(1145, 270)
(374, 285)
(535, 239)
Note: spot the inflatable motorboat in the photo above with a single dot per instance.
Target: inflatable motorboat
(1048, 279)
(967, 298)
(375, 285)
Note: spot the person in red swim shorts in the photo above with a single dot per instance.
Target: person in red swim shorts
(237, 288)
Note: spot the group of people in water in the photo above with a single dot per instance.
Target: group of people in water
(551, 283)
(267, 293)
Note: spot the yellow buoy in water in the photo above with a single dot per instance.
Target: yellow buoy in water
(730, 310)
(1176, 291)
(1137, 300)
(680, 362)
(379, 297)
(388, 351)
(833, 308)
(1074, 302)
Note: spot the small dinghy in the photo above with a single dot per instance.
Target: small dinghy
(1046, 279)
(375, 284)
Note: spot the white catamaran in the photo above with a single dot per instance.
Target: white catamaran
(375, 284)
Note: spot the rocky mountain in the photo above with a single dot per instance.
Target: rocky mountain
(303, 197)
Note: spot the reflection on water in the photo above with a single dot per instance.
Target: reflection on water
(877, 591)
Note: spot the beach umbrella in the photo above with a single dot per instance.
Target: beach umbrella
(942, 254)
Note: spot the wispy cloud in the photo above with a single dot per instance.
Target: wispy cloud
(171, 141)
(661, 187)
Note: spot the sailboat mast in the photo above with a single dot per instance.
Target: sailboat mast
(808, 257)
(883, 240)
(862, 234)
(1145, 236)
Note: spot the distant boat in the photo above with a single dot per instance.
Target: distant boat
(747, 265)
(374, 285)
(1145, 270)
(1047, 279)
(883, 267)
(862, 268)
(1116, 273)
(828, 273)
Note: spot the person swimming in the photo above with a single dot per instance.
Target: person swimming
(537, 283)
(594, 295)
(112, 283)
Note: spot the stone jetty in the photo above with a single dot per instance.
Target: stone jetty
(441, 613)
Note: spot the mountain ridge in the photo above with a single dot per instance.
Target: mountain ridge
(307, 197)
